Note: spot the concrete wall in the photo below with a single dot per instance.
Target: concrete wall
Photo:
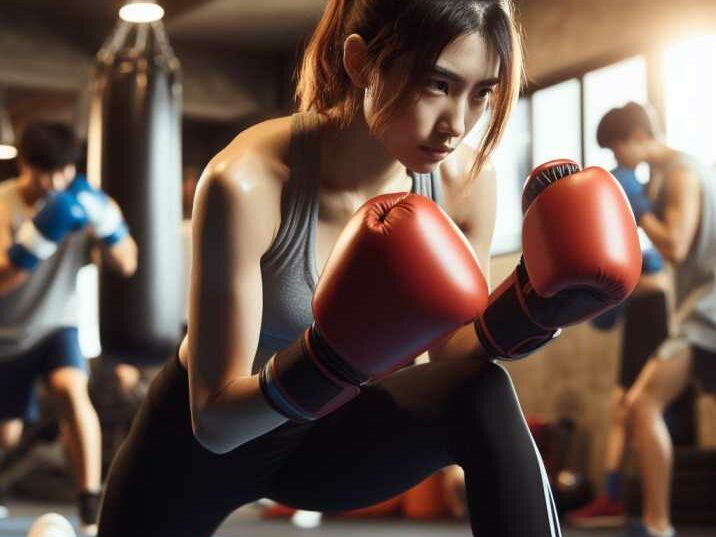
(562, 35)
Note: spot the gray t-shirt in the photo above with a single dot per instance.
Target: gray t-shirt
(48, 299)
(699, 267)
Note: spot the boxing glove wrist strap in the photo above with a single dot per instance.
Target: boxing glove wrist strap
(331, 361)
(299, 383)
(30, 247)
(506, 329)
(22, 258)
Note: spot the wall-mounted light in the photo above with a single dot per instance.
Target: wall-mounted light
(7, 136)
(141, 11)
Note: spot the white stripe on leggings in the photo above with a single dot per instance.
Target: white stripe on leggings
(549, 499)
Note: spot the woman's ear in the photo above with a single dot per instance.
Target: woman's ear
(355, 58)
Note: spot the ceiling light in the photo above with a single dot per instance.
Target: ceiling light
(7, 152)
(141, 11)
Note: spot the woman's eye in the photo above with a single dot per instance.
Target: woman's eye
(483, 94)
(437, 85)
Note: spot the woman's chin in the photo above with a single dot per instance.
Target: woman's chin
(420, 165)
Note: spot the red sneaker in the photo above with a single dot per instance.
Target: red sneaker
(601, 513)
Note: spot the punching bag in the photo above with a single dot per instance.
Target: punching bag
(134, 153)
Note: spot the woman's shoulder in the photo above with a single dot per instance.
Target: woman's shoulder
(255, 164)
(261, 152)
(243, 183)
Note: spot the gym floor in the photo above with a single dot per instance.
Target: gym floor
(247, 522)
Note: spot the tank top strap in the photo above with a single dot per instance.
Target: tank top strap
(300, 193)
(428, 185)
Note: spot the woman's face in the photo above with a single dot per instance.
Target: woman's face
(449, 103)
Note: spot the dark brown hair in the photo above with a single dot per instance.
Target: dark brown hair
(48, 146)
(619, 123)
(408, 36)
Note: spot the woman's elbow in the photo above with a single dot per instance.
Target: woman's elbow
(209, 436)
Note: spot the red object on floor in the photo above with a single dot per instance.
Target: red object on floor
(387, 508)
(277, 511)
(602, 512)
(425, 501)
(383, 509)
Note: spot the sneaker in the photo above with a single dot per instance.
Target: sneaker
(600, 513)
(51, 525)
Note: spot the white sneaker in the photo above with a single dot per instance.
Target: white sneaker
(51, 525)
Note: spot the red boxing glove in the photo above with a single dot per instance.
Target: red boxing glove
(400, 277)
(581, 256)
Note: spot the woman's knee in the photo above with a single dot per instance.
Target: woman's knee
(490, 421)
(490, 391)
(494, 378)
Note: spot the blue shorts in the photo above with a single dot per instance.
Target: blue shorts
(19, 374)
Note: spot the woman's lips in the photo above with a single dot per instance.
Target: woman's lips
(436, 153)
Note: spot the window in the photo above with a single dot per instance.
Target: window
(512, 164)
(557, 122)
(689, 90)
(608, 88)
(511, 159)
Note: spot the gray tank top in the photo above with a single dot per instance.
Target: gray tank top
(699, 267)
(288, 268)
(47, 300)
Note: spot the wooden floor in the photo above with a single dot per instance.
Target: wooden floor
(246, 523)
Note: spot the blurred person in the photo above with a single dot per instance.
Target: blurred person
(645, 325)
(682, 226)
(50, 217)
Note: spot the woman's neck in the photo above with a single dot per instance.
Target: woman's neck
(353, 160)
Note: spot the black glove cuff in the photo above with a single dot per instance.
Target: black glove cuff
(298, 384)
(506, 330)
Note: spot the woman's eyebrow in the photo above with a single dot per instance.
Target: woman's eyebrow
(451, 75)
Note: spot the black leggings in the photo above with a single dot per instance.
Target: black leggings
(396, 433)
